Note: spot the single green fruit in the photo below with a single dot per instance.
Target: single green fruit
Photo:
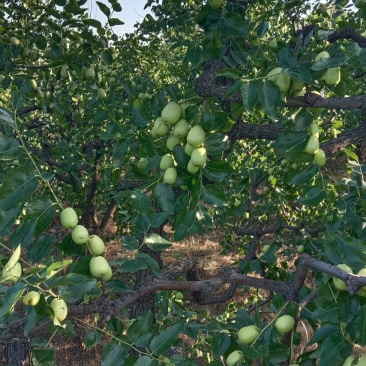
(34, 55)
(274, 74)
(234, 358)
(69, 218)
(14, 41)
(320, 158)
(39, 94)
(179, 296)
(348, 361)
(181, 128)
(312, 146)
(283, 82)
(246, 215)
(193, 169)
(80, 234)
(285, 323)
(101, 93)
(90, 73)
(170, 176)
(12, 275)
(360, 4)
(96, 244)
(160, 127)
(237, 203)
(142, 164)
(216, 4)
(273, 44)
(196, 136)
(333, 76)
(14, 259)
(183, 107)
(99, 266)
(63, 72)
(171, 113)
(2, 78)
(166, 161)
(59, 307)
(266, 248)
(188, 149)
(172, 141)
(108, 275)
(300, 249)
(362, 360)
(248, 334)
(31, 298)
(33, 84)
(314, 129)
(339, 284)
(199, 156)
(296, 86)
(321, 55)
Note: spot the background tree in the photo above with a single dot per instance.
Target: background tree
(239, 116)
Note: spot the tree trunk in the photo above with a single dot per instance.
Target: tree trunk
(18, 352)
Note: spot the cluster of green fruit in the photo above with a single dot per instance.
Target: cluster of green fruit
(98, 265)
(173, 115)
(341, 285)
(250, 333)
(312, 146)
(332, 76)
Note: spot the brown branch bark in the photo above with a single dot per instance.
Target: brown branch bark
(348, 33)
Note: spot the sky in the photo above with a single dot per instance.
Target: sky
(132, 12)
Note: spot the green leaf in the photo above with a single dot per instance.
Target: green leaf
(74, 286)
(23, 234)
(44, 356)
(113, 354)
(216, 143)
(156, 242)
(195, 55)
(5, 117)
(326, 63)
(262, 29)
(104, 8)
(115, 21)
(10, 297)
(68, 247)
(18, 185)
(270, 97)
(303, 177)
(232, 25)
(333, 350)
(212, 47)
(250, 96)
(220, 344)
(165, 339)
(313, 196)
(294, 141)
(99, 116)
(163, 194)
(43, 209)
(140, 331)
(9, 148)
(140, 113)
(7, 218)
(159, 218)
(40, 248)
(140, 202)
(279, 353)
(286, 58)
(229, 73)
(129, 242)
(118, 286)
(145, 361)
(217, 170)
(213, 195)
(350, 153)
(93, 338)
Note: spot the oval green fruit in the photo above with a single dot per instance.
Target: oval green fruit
(274, 74)
(90, 73)
(199, 156)
(320, 158)
(348, 361)
(59, 307)
(322, 55)
(188, 149)
(215, 4)
(283, 82)
(171, 113)
(234, 357)
(273, 44)
(108, 275)
(170, 176)
(338, 283)
(96, 244)
(80, 234)
(248, 334)
(196, 136)
(101, 93)
(362, 360)
(14, 258)
(160, 127)
(33, 84)
(296, 86)
(333, 76)
(14, 41)
(193, 169)
(31, 298)
(285, 323)
(300, 249)
(181, 128)
(166, 161)
(172, 141)
(63, 72)
(69, 218)
(312, 146)
(183, 107)
(99, 266)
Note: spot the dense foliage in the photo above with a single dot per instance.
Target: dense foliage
(244, 117)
